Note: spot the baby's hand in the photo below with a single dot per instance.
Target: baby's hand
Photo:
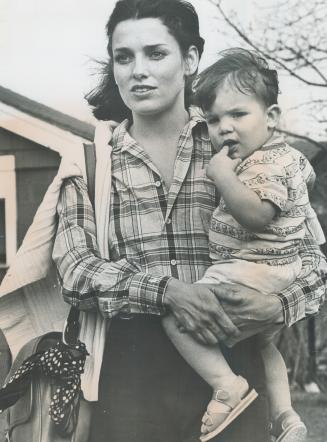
(221, 165)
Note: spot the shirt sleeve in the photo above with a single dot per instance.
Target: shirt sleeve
(89, 281)
(306, 295)
(307, 172)
(268, 181)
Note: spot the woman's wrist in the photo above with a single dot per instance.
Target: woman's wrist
(173, 287)
(276, 309)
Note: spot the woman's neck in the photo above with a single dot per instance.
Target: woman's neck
(159, 135)
(167, 125)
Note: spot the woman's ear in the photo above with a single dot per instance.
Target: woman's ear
(191, 60)
(273, 115)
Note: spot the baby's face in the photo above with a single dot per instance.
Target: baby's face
(238, 121)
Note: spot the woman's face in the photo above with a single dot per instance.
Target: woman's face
(149, 68)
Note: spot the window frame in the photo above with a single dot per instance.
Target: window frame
(8, 193)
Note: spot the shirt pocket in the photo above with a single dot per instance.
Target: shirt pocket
(136, 214)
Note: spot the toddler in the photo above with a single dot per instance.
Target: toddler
(254, 233)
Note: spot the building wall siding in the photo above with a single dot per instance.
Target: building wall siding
(35, 168)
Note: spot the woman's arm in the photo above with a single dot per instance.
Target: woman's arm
(307, 294)
(252, 312)
(91, 282)
(85, 276)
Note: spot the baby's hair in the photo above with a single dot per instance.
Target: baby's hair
(245, 70)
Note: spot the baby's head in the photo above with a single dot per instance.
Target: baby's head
(238, 95)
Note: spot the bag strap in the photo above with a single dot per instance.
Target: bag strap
(90, 163)
(72, 326)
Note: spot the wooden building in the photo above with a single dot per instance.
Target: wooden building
(32, 138)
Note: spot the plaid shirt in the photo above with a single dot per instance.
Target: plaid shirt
(155, 233)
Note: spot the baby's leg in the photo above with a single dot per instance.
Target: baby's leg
(286, 423)
(207, 361)
(278, 389)
(231, 393)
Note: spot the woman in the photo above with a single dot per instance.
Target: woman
(160, 207)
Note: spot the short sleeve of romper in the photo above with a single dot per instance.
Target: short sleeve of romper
(266, 176)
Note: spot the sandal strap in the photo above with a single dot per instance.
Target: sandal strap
(283, 421)
(233, 397)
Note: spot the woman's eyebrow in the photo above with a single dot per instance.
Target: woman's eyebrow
(155, 45)
(122, 49)
(147, 47)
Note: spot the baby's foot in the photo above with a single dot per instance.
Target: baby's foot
(225, 406)
(288, 427)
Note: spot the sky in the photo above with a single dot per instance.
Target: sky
(48, 48)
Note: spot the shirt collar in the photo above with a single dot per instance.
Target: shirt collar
(122, 140)
(273, 141)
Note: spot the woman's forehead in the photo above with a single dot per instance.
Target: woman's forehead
(141, 32)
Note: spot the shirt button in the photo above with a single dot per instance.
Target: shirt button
(157, 183)
(168, 221)
(173, 262)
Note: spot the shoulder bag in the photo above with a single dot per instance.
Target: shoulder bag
(42, 392)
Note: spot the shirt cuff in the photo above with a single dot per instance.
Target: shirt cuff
(284, 303)
(146, 293)
(280, 319)
(293, 309)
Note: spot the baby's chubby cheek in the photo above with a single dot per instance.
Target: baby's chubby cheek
(215, 141)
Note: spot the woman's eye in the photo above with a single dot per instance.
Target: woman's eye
(122, 58)
(157, 55)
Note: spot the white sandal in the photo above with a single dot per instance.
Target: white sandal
(288, 427)
(238, 400)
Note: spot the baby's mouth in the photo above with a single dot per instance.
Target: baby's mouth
(231, 144)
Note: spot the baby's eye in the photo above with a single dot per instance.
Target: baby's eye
(122, 58)
(238, 114)
(212, 120)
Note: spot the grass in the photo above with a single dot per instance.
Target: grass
(313, 410)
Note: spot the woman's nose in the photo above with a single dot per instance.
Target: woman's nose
(140, 68)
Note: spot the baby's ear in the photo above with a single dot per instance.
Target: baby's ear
(273, 115)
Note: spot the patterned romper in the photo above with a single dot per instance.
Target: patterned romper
(267, 261)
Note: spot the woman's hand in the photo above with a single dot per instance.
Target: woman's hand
(248, 309)
(197, 311)
(222, 312)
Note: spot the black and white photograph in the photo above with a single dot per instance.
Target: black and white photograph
(163, 221)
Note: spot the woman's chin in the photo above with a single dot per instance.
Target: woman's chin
(151, 110)
(144, 107)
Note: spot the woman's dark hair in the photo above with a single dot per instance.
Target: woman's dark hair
(247, 71)
(178, 16)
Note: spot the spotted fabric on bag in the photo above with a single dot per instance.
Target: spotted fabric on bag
(63, 363)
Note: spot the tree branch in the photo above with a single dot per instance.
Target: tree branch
(308, 103)
(265, 53)
(303, 137)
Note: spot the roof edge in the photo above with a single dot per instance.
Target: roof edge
(47, 114)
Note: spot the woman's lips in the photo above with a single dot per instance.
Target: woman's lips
(142, 89)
